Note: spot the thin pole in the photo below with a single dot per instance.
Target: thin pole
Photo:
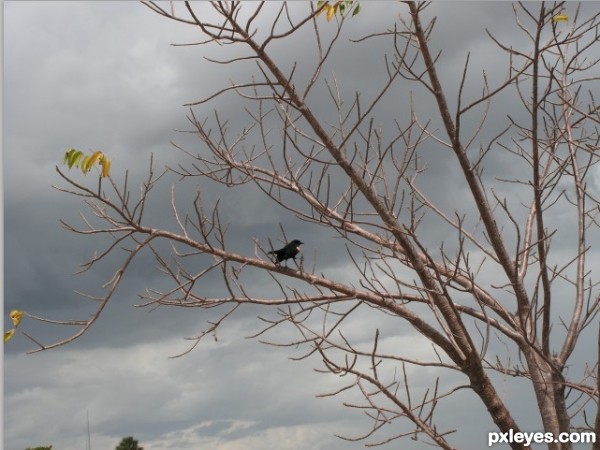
(89, 440)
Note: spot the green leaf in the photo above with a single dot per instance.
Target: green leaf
(72, 157)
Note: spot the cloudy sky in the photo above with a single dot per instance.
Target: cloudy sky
(103, 75)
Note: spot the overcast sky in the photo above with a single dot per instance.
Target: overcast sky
(103, 75)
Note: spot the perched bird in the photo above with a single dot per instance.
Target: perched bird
(290, 250)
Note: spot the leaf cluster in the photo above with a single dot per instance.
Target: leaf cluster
(15, 316)
(339, 6)
(77, 158)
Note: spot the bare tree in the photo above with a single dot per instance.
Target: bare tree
(506, 290)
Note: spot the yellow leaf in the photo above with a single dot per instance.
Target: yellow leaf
(105, 162)
(331, 12)
(89, 161)
(84, 164)
(8, 335)
(16, 316)
(562, 17)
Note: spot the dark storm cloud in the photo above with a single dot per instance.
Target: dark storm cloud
(103, 76)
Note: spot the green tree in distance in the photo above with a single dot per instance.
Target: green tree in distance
(128, 443)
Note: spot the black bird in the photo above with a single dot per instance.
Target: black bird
(290, 250)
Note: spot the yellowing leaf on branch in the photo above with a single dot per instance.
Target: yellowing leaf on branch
(8, 335)
(562, 17)
(105, 162)
(330, 12)
(16, 316)
(77, 158)
(89, 161)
